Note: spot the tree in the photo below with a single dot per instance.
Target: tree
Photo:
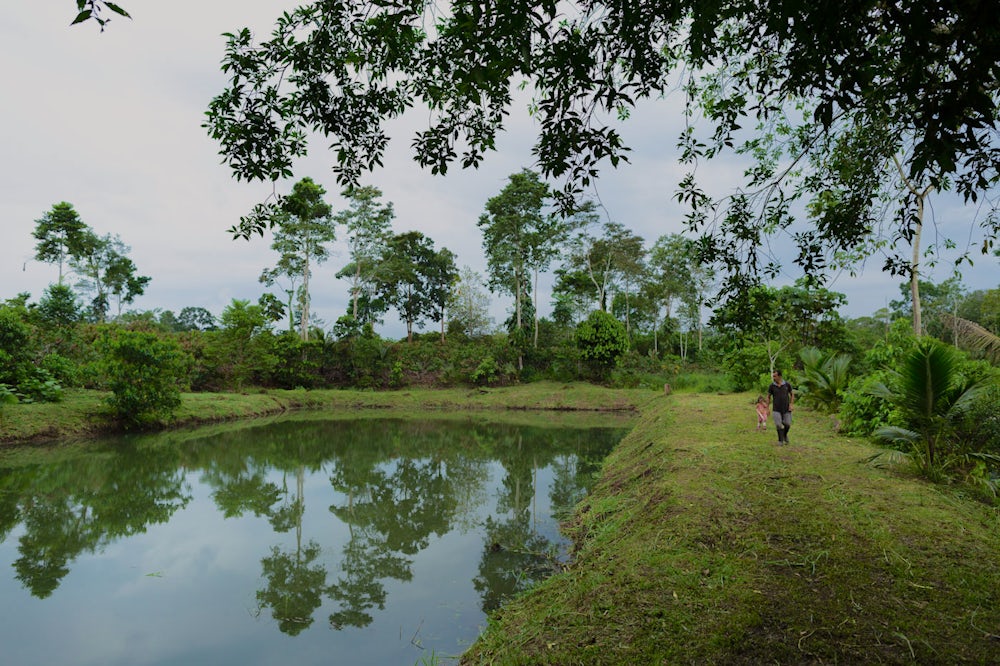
(243, 346)
(59, 306)
(441, 276)
(926, 78)
(196, 319)
(404, 276)
(368, 226)
(469, 304)
(106, 270)
(610, 261)
(676, 273)
(519, 238)
(60, 234)
(123, 282)
(304, 228)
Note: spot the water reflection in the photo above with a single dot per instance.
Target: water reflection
(360, 515)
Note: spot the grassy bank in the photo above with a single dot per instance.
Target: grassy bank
(82, 414)
(704, 542)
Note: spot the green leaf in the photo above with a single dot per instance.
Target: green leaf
(117, 10)
(82, 16)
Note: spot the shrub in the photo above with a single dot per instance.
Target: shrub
(602, 341)
(931, 391)
(144, 374)
(40, 386)
(487, 373)
(749, 367)
(862, 412)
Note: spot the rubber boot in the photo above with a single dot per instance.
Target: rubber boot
(785, 433)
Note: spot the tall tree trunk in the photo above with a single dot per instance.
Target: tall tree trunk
(535, 302)
(357, 287)
(304, 320)
(656, 333)
(921, 196)
(914, 275)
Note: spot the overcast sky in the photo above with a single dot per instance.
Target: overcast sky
(112, 124)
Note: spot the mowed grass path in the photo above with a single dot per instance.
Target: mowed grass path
(706, 543)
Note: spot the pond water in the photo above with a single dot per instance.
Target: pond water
(305, 540)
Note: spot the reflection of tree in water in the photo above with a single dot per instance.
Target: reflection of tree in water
(515, 555)
(247, 492)
(365, 565)
(294, 587)
(82, 505)
(402, 484)
(391, 510)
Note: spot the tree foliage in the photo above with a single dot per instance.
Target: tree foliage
(305, 227)
(105, 270)
(60, 234)
(930, 392)
(602, 341)
(469, 305)
(369, 225)
(415, 279)
(145, 373)
(518, 237)
(841, 89)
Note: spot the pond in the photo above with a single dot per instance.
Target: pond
(305, 540)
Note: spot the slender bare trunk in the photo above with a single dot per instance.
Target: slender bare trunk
(304, 320)
(535, 302)
(921, 196)
(914, 275)
(357, 288)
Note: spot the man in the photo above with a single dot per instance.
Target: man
(781, 410)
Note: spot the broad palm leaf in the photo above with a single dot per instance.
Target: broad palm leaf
(929, 392)
(825, 377)
(974, 336)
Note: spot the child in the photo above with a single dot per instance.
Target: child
(761, 413)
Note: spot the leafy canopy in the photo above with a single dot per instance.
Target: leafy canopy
(839, 87)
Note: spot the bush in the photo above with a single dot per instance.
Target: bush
(861, 411)
(487, 373)
(602, 341)
(979, 428)
(144, 374)
(298, 364)
(40, 386)
(749, 368)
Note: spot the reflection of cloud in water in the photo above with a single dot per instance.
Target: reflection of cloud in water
(395, 525)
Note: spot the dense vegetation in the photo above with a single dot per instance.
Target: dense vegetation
(927, 400)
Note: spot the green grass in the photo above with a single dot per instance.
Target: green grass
(83, 413)
(704, 542)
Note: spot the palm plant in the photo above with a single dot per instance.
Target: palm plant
(929, 392)
(974, 336)
(824, 378)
